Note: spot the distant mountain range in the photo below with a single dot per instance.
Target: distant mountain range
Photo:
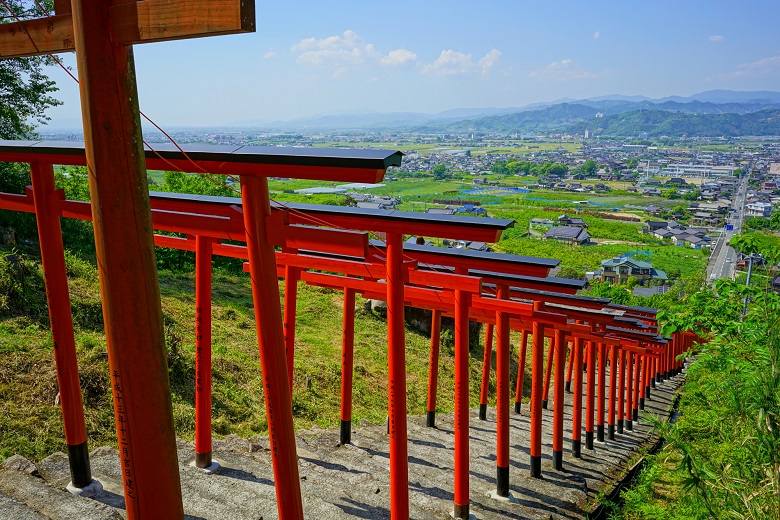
(713, 112)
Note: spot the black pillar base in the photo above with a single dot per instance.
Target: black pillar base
(576, 449)
(652, 382)
(517, 406)
(647, 392)
(78, 459)
(620, 426)
(600, 432)
(461, 512)
(346, 432)
(629, 425)
(536, 466)
(558, 460)
(430, 419)
(658, 377)
(567, 386)
(611, 432)
(635, 415)
(544, 404)
(483, 412)
(502, 481)
(641, 404)
(203, 460)
(589, 440)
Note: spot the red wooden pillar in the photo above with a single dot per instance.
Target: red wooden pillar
(656, 371)
(433, 369)
(502, 396)
(486, 358)
(646, 376)
(291, 275)
(537, 358)
(124, 247)
(461, 494)
(47, 218)
(521, 372)
(548, 374)
(576, 413)
(347, 365)
(590, 397)
(613, 371)
(621, 388)
(270, 338)
(601, 393)
(629, 415)
(637, 387)
(203, 273)
(559, 403)
(570, 367)
(396, 381)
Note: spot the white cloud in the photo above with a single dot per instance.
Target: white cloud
(348, 50)
(270, 54)
(716, 38)
(398, 57)
(563, 70)
(597, 35)
(451, 62)
(762, 67)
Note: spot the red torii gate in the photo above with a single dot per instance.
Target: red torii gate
(303, 237)
(364, 167)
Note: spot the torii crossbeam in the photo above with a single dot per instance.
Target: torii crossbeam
(101, 33)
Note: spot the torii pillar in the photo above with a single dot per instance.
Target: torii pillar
(102, 33)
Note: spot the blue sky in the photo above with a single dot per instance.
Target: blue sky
(310, 57)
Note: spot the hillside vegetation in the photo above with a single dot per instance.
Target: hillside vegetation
(668, 119)
(723, 454)
(31, 424)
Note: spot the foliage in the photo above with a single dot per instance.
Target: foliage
(726, 443)
(659, 122)
(31, 422)
(570, 272)
(213, 185)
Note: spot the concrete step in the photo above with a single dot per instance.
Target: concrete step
(353, 480)
(12, 509)
(19, 482)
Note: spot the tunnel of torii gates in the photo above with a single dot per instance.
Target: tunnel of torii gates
(329, 246)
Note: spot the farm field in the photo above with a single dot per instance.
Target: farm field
(620, 237)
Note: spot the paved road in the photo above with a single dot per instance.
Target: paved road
(723, 260)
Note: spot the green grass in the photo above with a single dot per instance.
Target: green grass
(31, 424)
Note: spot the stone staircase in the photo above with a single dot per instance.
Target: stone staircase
(350, 481)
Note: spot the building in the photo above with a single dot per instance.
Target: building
(758, 209)
(617, 270)
(566, 220)
(539, 226)
(568, 235)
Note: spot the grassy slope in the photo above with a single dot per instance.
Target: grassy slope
(31, 424)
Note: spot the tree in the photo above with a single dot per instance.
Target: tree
(499, 167)
(670, 193)
(571, 273)
(439, 172)
(25, 95)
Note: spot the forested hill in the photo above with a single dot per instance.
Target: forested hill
(656, 123)
(575, 118)
(546, 120)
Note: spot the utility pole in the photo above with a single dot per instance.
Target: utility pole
(747, 284)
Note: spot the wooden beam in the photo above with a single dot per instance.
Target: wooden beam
(148, 21)
(141, 21)
(49, 35)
